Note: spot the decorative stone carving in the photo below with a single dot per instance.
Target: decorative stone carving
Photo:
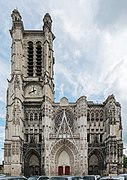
(16, 113)
(13, 148)
(16, 15)
(64, 114)
(17, 82)
(63, 142)
(47, 22)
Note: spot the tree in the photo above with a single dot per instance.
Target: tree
(124, 161)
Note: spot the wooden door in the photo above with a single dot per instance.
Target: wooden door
(60, 170)
(67, 170)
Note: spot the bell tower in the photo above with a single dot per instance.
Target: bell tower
(30, 91)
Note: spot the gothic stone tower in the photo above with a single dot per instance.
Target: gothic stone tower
(45, 137)
(30, 94)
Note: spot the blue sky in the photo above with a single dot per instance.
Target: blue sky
(90, 49)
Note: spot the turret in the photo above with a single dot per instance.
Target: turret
(16, 19)
(47, 22)
(17, 38)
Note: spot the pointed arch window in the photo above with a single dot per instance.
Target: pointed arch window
(35, 116)
(70, 118)
(30, 59)
(26, 116)
(101, 115)
(92, 116)
(31, 116)
(38, 59)
(88, 116)
(58, 119)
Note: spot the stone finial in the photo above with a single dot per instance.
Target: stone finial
(16, 15)
(47, 22)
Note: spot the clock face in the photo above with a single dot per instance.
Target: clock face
(33, 90)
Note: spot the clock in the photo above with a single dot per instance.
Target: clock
(33, 90)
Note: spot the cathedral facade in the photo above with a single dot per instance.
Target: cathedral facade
(54, 138)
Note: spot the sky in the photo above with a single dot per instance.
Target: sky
(90, 49)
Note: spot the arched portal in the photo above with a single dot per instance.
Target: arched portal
(64, 158)
(95, 162)
(32, 164)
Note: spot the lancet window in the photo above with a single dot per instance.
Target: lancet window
(38, 59)
(34, 57)
(30, 59)
(58, 119)
(70, 118)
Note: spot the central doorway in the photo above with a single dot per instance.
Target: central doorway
(64, 164)
(63, 170)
